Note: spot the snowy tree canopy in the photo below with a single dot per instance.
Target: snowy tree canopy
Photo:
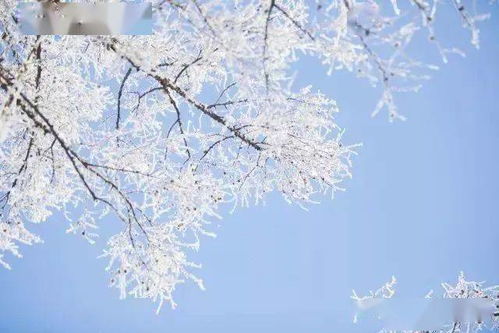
(158, 132)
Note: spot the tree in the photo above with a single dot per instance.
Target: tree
(158, 132)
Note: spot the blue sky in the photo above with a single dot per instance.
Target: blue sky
(422, 205)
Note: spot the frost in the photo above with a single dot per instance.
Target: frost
(462, 290)
(159, 132)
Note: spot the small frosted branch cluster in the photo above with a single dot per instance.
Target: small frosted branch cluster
(84, 226)
(385, 291)
(462, 289)
(159, 131)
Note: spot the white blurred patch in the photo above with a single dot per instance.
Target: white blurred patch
(67, 18)
(425, 314)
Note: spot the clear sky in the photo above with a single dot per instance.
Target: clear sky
(422, 205)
